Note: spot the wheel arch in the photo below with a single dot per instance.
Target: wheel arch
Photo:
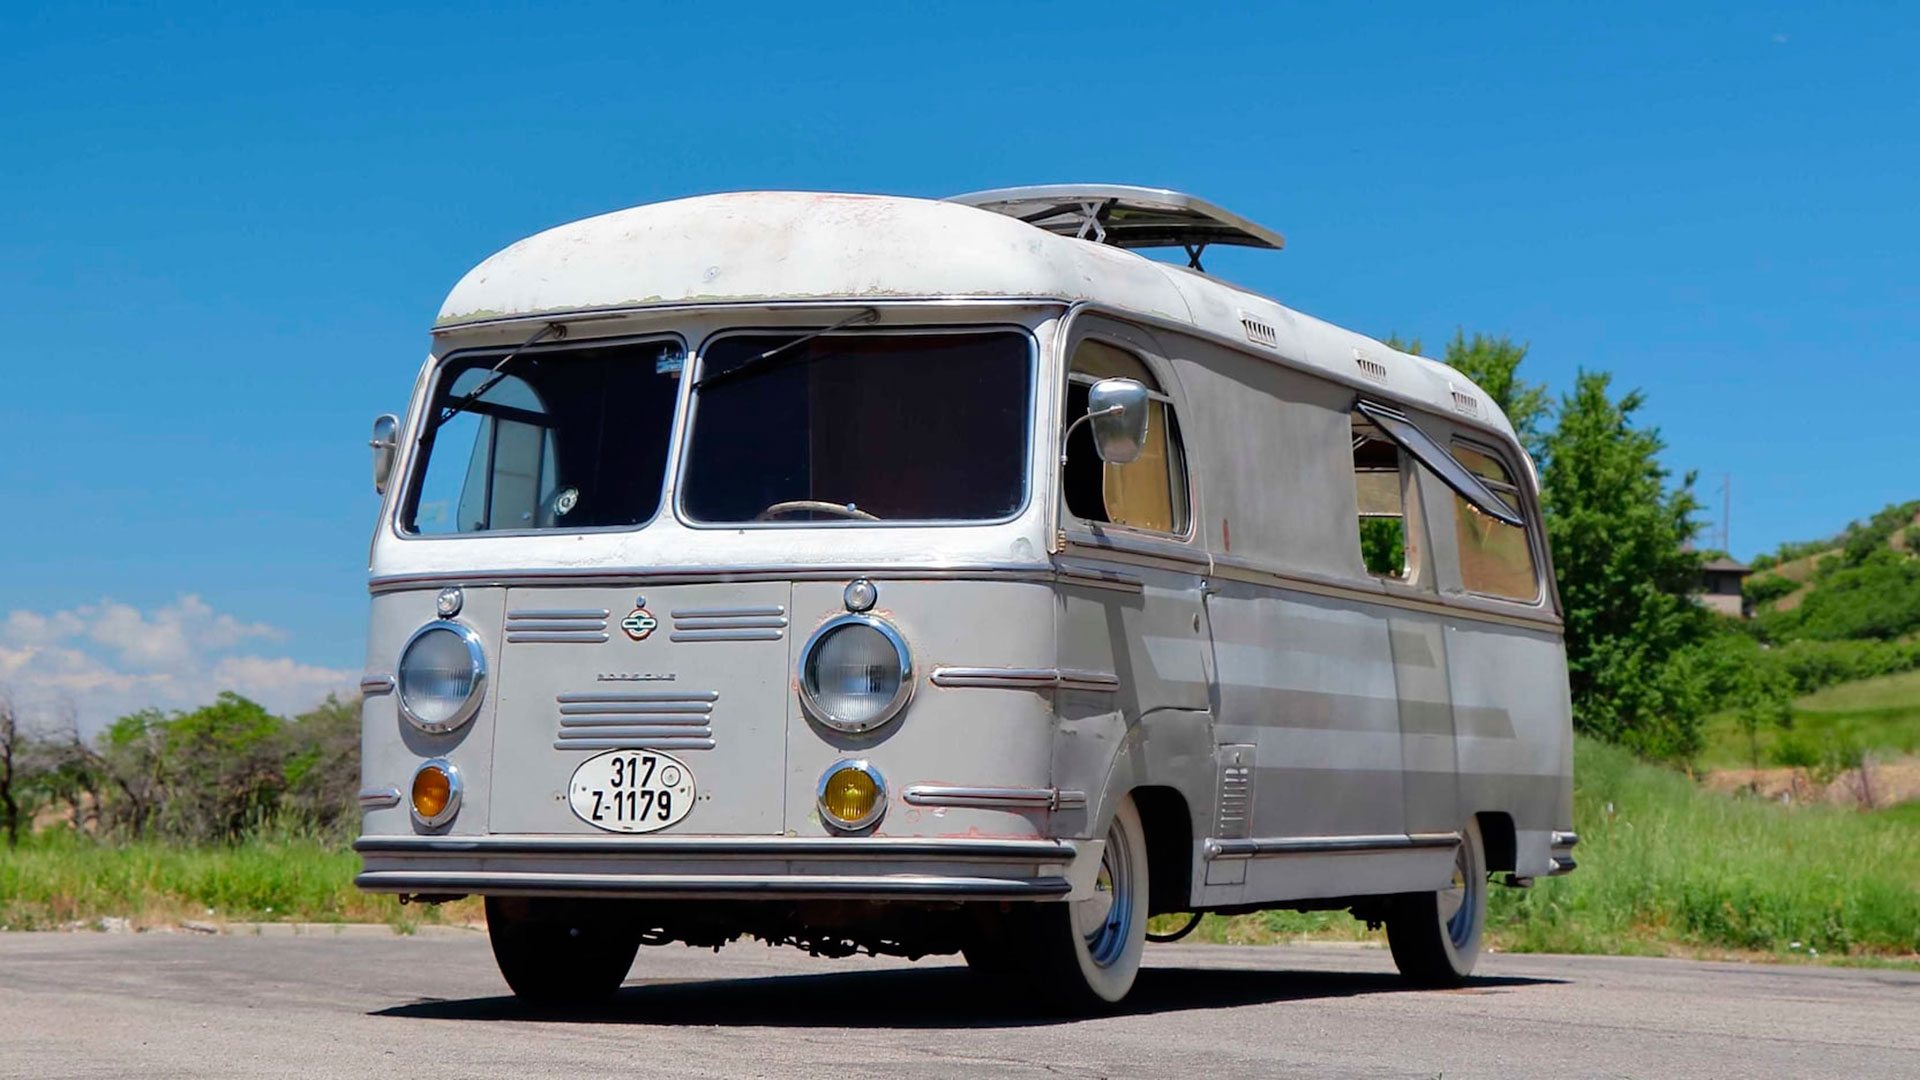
(1498, 837)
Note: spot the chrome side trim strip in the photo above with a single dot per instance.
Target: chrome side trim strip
(637, 742)
(994, 798)
(631, 708)
(1231, 569)
(717, 886)
(518, 636)
(726, 635)
(1036, 850)
(560, 613)
(379, 798)
(1087, 578)
(1108, 545)
(694, 575)
(641, 695)
(375, 684)
(623, 724)
(699, 732)
(1564, 839)
(1216, 848)
(1024, 678)
(729, 612)
(732, 622)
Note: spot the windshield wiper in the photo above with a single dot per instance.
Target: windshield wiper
(761, 362)
(497, 373)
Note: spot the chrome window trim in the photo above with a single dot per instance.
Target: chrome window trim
(455, 789)
(1151, 356)
(475, 651)
(894, 705)
(690, 407)
(1534, 525)
(873, 816)
(415, 462)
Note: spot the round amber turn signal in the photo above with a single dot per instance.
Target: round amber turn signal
(432, 792)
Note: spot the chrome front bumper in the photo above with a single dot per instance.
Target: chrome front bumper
(760, 867)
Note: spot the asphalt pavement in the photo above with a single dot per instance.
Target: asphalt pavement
(362, 1001)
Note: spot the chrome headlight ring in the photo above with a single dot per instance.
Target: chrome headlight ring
(476, 656)
(901, 695)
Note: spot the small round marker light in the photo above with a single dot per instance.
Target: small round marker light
(436, 792)
(861, 595)
(449, 602)
(852, 796)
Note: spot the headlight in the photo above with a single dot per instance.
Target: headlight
(852, 795)
(855, 673)
(443, 673)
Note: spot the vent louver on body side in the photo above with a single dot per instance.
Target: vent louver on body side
(1369, 367)
(1233, 818)
(1464, 403)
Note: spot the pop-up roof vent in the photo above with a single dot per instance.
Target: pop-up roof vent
(1371, 368)
(1126, 216)
(1259, 332)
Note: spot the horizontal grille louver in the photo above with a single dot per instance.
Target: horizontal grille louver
(583, 626)
(767, 623)
(638, 720)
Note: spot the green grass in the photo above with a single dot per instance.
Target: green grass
(1666, 866)
(1880, 714)
(57, 878)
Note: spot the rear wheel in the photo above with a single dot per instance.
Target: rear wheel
(1435, 936)
(1080, 955)
(560, 952)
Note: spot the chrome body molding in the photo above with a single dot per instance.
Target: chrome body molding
(375, 684)
(1216, 848)
(1088, 578)
(857, 848)
(716, 886)
(587, 626)
(636, 720)
(1452, 606)
(1023, 678)
(380, 798)
(994, 798)
(700, 575)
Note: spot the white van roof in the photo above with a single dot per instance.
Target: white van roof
(769, 247)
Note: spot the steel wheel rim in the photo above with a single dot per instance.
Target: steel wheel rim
(1457, 901)
(1104, 920)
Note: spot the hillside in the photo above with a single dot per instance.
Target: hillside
(1861, 584)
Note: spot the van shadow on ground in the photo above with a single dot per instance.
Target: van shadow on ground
(920, 998)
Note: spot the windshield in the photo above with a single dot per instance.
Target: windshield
(862, 427)
(564, 438)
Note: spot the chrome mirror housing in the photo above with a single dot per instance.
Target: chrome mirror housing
(386, 446)
(1117, 408)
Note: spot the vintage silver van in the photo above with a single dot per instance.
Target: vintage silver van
(870, 573)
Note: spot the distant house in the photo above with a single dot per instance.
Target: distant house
(1721, 587)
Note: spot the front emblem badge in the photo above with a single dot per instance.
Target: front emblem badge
(639, 623)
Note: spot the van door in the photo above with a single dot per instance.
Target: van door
(697, 671)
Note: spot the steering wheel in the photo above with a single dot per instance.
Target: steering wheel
(845, 510)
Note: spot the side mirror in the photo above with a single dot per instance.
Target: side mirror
(386, 447)
(1117, 408)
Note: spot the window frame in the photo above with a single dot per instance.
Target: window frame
(690, 408)
(1531, 525)
(1414, 538)
(404, 504)
(1119, 336)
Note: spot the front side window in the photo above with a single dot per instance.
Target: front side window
(860, 427)
(1151, 491)
(558, 438)
(1495, 557)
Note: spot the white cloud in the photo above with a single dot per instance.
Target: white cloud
(100, 661)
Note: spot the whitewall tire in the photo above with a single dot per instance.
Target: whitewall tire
(1435, 937)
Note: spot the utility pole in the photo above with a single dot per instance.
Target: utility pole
(1726, 513)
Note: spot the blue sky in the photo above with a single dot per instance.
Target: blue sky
(224, 231)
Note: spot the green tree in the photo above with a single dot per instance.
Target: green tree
(1618, 534)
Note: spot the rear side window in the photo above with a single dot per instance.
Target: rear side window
(1495, 557)
(1380, 469)
(1148, 493)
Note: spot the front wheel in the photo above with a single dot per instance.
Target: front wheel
(1080, 955)
(1435, 937)
(560, 952)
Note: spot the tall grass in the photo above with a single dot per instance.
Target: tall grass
(57, 878)
(1663, 862)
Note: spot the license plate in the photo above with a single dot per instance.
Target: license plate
(631, 791)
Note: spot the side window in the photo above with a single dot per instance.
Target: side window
(1380, 471)
(1151, 492)
(1495, 557)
